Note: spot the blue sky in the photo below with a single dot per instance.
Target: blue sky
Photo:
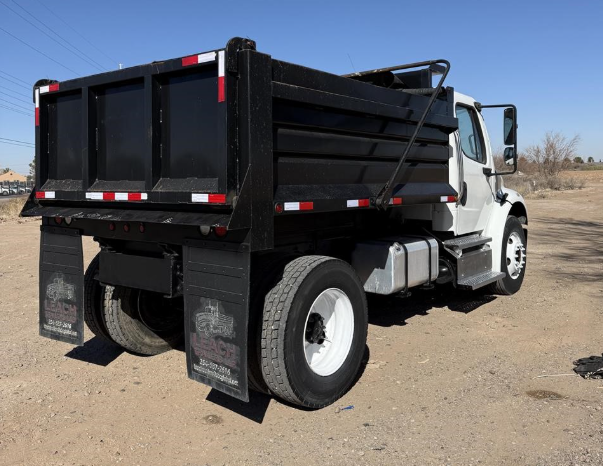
(544, 56)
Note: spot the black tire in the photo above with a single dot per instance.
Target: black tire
(265, 272)
(143, 322)
(94, 301)
(508, 285)
(284, 365)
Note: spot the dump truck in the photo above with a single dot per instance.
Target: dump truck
(244, 207)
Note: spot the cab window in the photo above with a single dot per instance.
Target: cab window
(471, 137)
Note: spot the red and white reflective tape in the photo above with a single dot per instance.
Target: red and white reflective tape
(358, 203)
(49, 88)
(221, 83)
(37, 110)
(104, 196)
(395, 201)
(198, 59)
(209, 198)
(43, 90)
(45, 194)
(299, 205)
(448, 199)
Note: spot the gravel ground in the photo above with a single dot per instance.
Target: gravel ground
(451, 378)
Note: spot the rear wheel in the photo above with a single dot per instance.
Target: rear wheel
(314, 331)
(94, 301)
(142, 321)
(513, 259)
(265, 272)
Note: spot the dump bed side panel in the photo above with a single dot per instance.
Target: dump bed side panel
(337, 139)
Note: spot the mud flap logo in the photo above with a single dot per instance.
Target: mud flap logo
(59, 290)
(217, 357)
(211, 322)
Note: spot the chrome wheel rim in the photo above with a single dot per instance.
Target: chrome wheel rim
(516, 256)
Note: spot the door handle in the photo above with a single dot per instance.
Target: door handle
(464, 196)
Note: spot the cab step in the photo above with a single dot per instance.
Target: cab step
(465, 242)
(477, 281)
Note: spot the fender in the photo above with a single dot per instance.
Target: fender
(514, 204)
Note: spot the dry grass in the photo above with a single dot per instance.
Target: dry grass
(10, 209)
(590, 167)
(538, 185)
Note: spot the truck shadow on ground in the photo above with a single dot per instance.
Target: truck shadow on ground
(99, 352)
(258, 404)
(255, 410)
(576, 246)
(387, 311)
(96, 351)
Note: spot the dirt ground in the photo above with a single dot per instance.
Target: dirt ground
(460, 379)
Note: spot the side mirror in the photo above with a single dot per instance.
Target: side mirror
(509, 127)
(509, 155)
(509, 134)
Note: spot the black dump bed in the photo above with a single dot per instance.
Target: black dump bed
(230, 135)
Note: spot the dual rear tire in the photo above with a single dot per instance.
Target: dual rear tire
(139, 321)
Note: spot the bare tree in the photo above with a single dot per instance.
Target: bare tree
(553, 154)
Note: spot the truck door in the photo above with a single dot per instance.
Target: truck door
(478, 192)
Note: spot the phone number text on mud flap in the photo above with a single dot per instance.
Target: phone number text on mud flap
(59, 324)
(214, 367)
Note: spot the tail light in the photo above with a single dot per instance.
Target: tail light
(220, 231)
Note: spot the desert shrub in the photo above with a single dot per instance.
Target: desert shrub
(554, 154)
(539, 166)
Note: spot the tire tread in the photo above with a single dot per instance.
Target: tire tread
(92, 314)
(124, 329)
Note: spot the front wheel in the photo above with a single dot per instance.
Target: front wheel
(314, 331)
(513, 258)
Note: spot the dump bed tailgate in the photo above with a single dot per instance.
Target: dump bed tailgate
(154, 133)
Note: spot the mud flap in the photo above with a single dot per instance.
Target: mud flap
(216, 302)
(61, 285)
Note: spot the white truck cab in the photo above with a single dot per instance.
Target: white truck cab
(484, 206)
